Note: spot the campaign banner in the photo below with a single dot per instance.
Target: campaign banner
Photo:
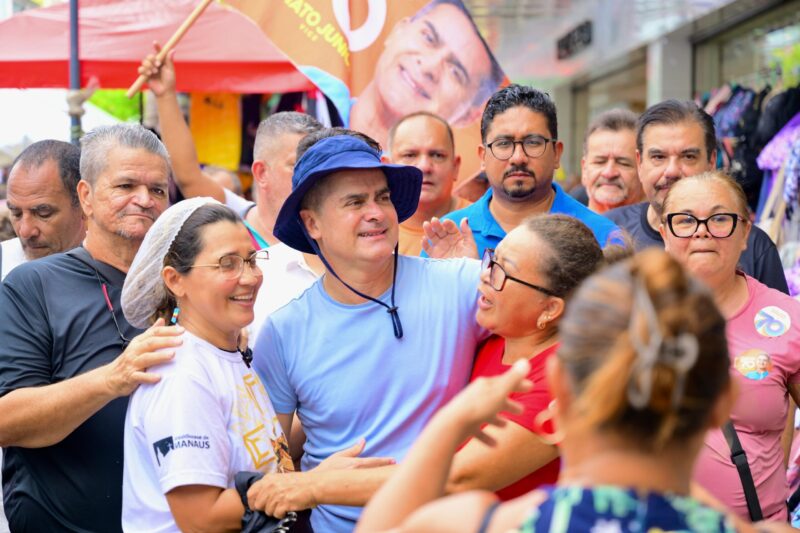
(378, 60)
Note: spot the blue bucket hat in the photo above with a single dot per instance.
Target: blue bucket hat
(332, 154)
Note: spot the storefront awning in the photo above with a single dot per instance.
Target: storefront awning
(223, 52)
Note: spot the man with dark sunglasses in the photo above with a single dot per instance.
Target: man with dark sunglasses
(68, 356)
(675, 139)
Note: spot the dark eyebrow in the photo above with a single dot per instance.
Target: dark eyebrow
(437, 39)
(452, 57)
(691, 151)
(384, 191)
(349, 197)
(655, 151)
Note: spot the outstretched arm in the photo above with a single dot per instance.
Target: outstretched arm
(174, 130)
(342, 479)
(518, 452)
(35, 417)
(423, 475)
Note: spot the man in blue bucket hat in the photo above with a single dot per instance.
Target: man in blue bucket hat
(376, 346)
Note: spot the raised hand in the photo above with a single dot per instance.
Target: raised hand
(160, 76)
(483, 399)
(444, 240)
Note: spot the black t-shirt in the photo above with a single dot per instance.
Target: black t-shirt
(55, 324)
(760, 260)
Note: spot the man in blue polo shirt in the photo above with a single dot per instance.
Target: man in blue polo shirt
(519, 152)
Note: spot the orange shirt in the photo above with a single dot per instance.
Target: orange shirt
(411, 237)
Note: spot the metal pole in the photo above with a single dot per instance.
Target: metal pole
(74, 69)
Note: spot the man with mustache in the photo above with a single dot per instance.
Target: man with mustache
(675, 139)
(519, 152)
(43, 203)
(608, 165)
(67, 361)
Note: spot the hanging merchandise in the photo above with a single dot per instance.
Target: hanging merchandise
(215, 120)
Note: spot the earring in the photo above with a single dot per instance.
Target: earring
(542, 417)
(541, 324)
(175, 313)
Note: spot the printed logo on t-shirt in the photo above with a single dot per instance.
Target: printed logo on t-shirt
(772, 321)
(264, 442)
(162, 447)
(753, 364)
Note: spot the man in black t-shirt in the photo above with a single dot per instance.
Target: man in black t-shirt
(675, 139)
(66, 368)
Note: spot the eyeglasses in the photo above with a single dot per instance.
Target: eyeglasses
(532, 145)
(719, 225)
(231, 266)
(498, 276)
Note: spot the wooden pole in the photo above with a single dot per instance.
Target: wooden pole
(177, 36)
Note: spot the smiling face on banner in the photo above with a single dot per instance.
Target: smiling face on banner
(379, 60)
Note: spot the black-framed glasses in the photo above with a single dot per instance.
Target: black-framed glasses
(498, 276)
(719, 225)
(532, 145)
(231, 266)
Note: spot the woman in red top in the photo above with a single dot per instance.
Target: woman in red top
(523, 288)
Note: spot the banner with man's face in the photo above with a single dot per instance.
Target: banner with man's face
(378, 60)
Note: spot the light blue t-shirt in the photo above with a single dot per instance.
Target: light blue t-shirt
(488, 232)
(341, 367)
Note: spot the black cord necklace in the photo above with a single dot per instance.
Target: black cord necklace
(397, 326)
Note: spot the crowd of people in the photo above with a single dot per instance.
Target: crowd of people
(358, 349)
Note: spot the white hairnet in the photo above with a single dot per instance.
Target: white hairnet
(144, 289)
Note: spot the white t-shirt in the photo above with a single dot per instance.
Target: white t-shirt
(208, 418)
(238, 204)
(286, 277)
(13, 256)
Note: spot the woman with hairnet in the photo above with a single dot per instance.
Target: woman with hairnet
(191, 438)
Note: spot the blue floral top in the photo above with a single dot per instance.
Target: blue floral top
(607, 509)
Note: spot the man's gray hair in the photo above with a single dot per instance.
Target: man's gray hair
(96, 144)
(617, 119)
(280, 124)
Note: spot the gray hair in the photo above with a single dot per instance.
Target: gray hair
(612, 120)
(281, 124)
(96, 145)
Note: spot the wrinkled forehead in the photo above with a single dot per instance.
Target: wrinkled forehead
(674, 137)
(422, 132)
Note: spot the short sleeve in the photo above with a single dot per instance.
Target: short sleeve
(25, 334)
(768, 268)
(187, 429)
(238, 204)
(533, 402)
(793, 376)
(469, 276)
(270, 364)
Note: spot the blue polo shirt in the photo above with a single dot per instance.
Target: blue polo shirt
(488, 232)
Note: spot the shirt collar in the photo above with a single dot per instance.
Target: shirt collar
(487, 225)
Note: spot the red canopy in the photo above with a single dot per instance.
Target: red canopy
(223, 52)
